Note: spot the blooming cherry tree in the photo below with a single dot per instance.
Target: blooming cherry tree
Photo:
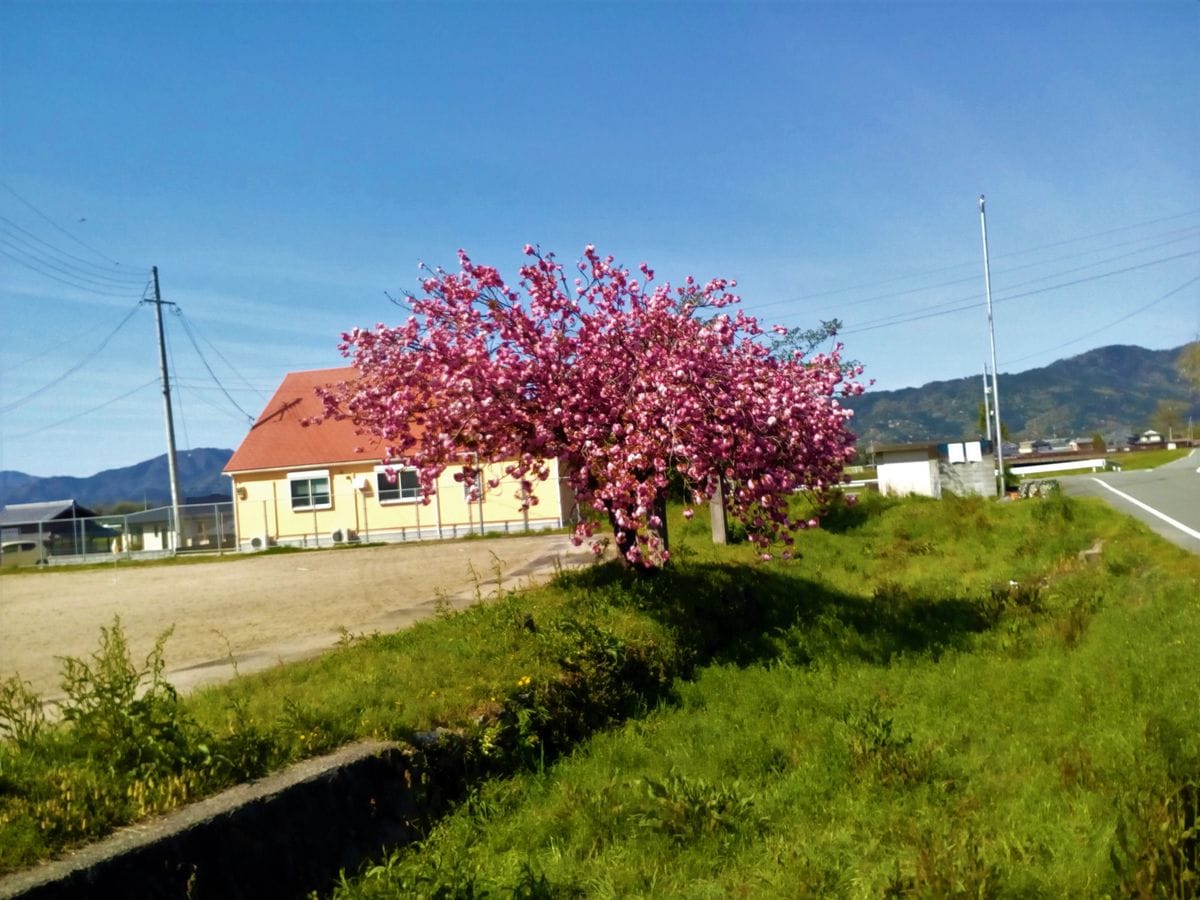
(621, 380)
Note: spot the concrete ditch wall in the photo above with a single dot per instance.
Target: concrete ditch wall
(281, 836)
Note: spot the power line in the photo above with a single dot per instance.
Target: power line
(212, 404)
(99, 271)
(58, 227)
(76, 285)
(192, 337)
(901, 315)
(1175, 236)
(73, 338)
(901, 319)
(65, 268)
(203, 384)
(86, 412)
(1124, 318)
(1012, 253)
(261, 394)
(174, 376)
(21, 401)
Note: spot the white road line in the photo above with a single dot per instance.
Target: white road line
(1191, 532)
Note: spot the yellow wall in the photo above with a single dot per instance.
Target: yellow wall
(263, 506)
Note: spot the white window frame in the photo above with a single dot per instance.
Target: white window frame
(383, 483)
(310, 475)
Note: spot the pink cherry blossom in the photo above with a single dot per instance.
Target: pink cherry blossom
(622, 381)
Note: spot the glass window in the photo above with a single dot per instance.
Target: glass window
(310, 490)
(400, 486)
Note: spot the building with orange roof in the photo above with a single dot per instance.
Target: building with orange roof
(318, 484)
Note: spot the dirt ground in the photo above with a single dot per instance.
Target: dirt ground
(255, 611)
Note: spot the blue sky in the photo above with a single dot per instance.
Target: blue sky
(286, 166)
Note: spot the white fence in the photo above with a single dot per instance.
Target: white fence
(1095, 465)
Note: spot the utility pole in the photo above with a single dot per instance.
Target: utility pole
(987, 406)
(987, 286)
(176, 524)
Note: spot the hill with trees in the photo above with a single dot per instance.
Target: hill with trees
(146, 483)
(1117, 389)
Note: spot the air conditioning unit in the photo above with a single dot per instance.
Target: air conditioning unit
(260, 542)
(343, 535)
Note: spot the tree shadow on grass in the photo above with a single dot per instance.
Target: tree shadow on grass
(742, 615)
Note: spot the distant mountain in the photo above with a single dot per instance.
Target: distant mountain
(145, 482)
(1112, 390)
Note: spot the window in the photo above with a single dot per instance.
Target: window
(310, 490)
(400, 486)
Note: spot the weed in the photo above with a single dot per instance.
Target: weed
(688, 809)
(132, 713)
(947, 863)
(310, 731)
(22, 716)
(878, 748)
(1072, 625)
(1157, 851)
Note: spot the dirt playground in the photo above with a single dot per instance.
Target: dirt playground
(255, 611)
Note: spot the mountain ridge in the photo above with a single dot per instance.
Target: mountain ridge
(145, 482)
(1113, 390)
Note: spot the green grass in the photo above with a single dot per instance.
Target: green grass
(1141, 459)
(1146, 459)
(919, 726)
(938, 698)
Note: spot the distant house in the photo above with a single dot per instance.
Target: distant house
(1082, 445)
(319, 484)
(929, 469)
(1150, 436)
(62, 526)
(206, 523)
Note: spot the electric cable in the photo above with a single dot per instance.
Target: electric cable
(94, 269)
(212, 404)
(192, 337)
(86, 412)
(1175, 236)
(58, 227)
(21, 401)
(173, 375)
(263, 395)
(81, 287)
(1124, 318)
(902, 319)
(73, 338)
(66, 268)
(1018, 284)
(1050, 246)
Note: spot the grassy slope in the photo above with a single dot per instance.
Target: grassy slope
(911, 730)
(888, 711)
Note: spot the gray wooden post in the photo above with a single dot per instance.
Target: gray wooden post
(716, 512)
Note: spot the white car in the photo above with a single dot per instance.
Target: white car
(22, 553)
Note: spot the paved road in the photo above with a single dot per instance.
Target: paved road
(1172, 491)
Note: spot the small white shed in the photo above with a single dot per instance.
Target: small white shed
(963, 467)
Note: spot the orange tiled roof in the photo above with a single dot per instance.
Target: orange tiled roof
(278, 440)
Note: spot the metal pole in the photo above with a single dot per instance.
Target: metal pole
(172, 470)
(987, 285)
(987, 406)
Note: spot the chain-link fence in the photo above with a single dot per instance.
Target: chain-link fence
(148, 533)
